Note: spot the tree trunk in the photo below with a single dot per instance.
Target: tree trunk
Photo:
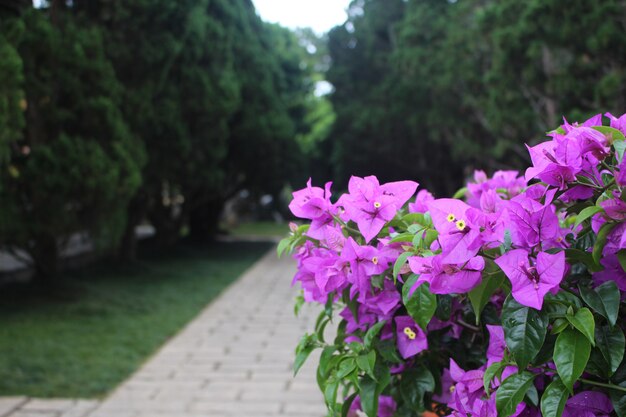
(45, 254)
(204, 220)
(127, 250)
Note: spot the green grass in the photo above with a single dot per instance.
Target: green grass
(260, 229)
(101, 323)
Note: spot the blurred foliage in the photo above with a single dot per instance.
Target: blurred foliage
(114, 112)
(75, 163)
(426, 84)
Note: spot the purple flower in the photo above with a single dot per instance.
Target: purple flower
(612, 271)
(486, 193)
(495, 350)
(531, 282)
(386, 406)
(420, 204)
(588, 404)
(314, 203)
(383, 301)
(618, 123)
(365, 261)
(459, 238)
(620, 177)
(447, 278)
(532, 223)
(372, 205)
(548, 168)
(411, 339)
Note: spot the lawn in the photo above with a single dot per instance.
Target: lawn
(102, 322)
(266, 229)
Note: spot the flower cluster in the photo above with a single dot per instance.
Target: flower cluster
(507, 302)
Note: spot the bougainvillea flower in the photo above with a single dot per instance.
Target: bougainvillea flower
(577, 192)
(532, 281)
(532, 223)
(382, 301)
(386, 406)
(618, 123)
(612, 271)
(459, 238)
(363, 320)
(372, 205)
(620, 176)
(472, 379)
(502, 183)
(411, 339)
(329, 269)
(365, 261)
(421, 200)
(310, 202)
(447, 278)
(313, 203)
(588, 404)
(495, 350)
(447, 384)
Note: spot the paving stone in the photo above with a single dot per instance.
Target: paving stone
(9, 404)
(234, 359)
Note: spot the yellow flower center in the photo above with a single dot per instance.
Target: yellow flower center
(452, 388)
(377, 204)
(375, 260)
(409, 333)
(460, 225)
(451, 217)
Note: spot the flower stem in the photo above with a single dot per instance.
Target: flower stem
(602, 384)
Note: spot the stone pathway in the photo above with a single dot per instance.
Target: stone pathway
(234, 359)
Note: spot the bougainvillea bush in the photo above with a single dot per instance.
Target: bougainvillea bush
(505, 300)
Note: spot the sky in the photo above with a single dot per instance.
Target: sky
(321, 15)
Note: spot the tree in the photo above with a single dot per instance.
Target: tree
(82, 162)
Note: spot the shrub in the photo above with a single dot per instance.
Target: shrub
(506, 303)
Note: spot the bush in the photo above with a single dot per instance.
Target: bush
(507, 303)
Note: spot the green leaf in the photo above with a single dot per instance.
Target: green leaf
(330, 393)
(612, 344)
(326, 362)
(553, 399)
(400, 263)
(345, 408)
(366, 363)
(573, 256)
(604, 299)
(512, 392)
(414, 384)
(571, 353)
(479, 296)
(586, 213)
(614, 136)
(460, 193)
(524, 331)
(603, 233)
(298, 304)
(283, 245)
(532, 396)
(494, 370)
(402, 237)
(421, 305)
(618, 398)
(584, 323)
(346, 367)
(301, 357)
(368, 392)
(372, 332)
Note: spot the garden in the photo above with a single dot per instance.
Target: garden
(503, 300)
(443, 180)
